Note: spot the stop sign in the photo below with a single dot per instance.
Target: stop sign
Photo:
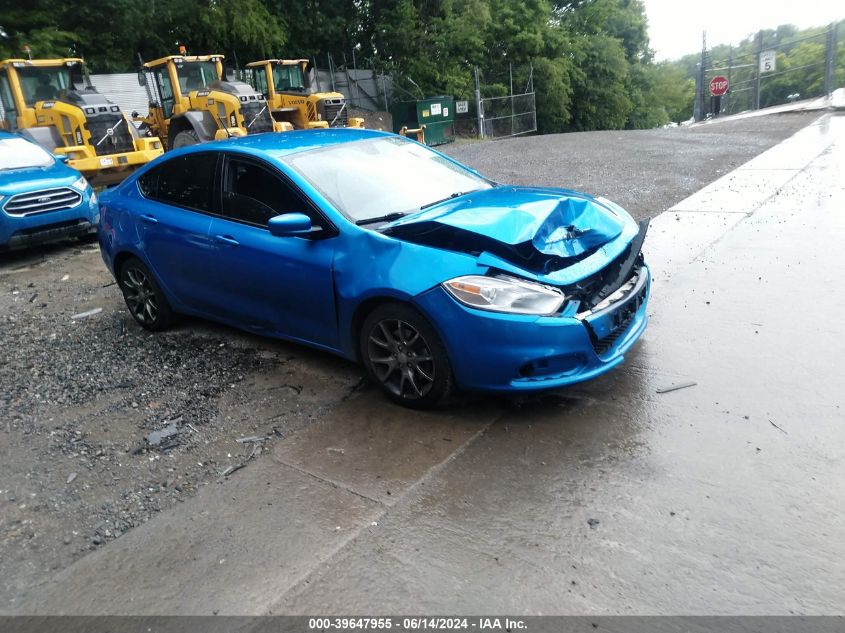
(718, 86)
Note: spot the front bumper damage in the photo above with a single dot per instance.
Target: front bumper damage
(602, 318)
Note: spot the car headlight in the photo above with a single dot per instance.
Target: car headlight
(505, 294)
(81, 184)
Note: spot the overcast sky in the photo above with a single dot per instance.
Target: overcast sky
(675, 26)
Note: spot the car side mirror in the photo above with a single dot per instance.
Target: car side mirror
(62, 158)
(142, 78)
(289, 224)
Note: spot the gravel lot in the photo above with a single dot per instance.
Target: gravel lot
(646, 171)
(79, 396)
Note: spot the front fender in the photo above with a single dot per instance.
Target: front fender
(371, 266)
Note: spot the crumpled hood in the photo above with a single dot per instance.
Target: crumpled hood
(555, 222)
(538, 230)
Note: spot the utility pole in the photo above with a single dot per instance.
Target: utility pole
(698, 106)
(830, 59)
(479, 106)
(730, 66)
(757, 72)
(513, 114)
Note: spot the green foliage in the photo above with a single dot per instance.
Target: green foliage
(35, 27)
(553, 82)
(592, 65)
(109, 33)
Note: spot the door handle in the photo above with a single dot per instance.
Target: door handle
(225, 239)
(148, 219)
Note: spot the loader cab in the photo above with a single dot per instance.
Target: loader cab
(174, 78)
(288, 86)
(50, 83)
(24, 83)
(289, 78)
(273, 77)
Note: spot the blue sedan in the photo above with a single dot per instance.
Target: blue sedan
(379, 249)
(41, 198)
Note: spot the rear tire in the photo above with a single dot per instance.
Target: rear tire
(185, 138)
(144, 298)
(404, 355)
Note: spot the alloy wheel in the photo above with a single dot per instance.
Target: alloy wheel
(401, 359)
(140, 296)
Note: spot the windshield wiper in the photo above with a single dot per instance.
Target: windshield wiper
(451, 196)
(382, 218)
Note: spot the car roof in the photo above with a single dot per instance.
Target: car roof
(280, 144)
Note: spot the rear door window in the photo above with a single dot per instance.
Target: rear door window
(184, 181)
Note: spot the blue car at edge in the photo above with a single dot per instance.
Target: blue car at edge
(381, 250)
(41, 198)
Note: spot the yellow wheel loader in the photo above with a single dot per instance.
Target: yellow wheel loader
(191, 102)
(290, 87)
(52, 102)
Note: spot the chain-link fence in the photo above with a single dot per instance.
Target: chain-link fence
(504, 104)
(780, 69)
(509, 116)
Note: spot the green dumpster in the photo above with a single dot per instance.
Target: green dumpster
(437, 114)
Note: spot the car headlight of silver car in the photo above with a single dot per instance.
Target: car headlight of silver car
(505, 294)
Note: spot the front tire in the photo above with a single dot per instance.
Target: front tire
(144, 298)
(185, 138)
(404, 355)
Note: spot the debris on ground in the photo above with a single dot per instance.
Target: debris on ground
(87, 313)
(778, 428)
(593, 523)
(230, 469)
(337, 451)
(71, 477)
(235, 467)
(156, 437)
(676, 386)
(251, 439)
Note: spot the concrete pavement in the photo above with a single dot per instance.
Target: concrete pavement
(607, 498)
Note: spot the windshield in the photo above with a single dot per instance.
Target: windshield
(40, 83)
(381, 176)
(16, 153)
(288, 78)
(196, 75)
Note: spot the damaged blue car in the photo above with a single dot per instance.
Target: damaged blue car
(374, 247)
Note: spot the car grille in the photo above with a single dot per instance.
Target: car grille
(42, 201)
(257, 124)
(332, 110)
(119, 141)
(623, 320)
